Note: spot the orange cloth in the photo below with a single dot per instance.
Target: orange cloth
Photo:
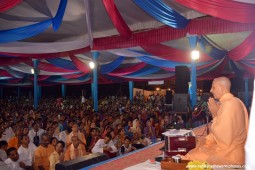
(225, 144)
(13, 142)
(73, 153)
(80, 136)
(42, 155)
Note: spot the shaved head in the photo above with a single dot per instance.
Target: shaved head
(220, 86)
(224, 81)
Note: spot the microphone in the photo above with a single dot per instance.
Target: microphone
(198, 108)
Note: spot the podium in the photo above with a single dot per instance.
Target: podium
(179, 142)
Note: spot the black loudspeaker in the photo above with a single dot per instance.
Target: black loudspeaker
(169, 97)
(182, 79)
(181, 103)
(82, 162)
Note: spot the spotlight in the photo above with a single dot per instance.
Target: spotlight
(92, 65)
(195, 55)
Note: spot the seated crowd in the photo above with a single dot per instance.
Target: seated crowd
(63, 130)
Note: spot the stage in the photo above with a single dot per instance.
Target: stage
(143, 158)
(130, 159)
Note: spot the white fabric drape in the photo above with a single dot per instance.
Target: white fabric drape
(42, 48)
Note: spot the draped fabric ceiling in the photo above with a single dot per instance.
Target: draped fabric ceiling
(138, 40)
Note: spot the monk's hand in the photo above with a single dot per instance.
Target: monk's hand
(213, 106)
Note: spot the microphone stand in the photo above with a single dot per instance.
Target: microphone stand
(207, 122)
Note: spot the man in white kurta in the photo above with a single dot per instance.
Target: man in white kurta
(27, 150)
(225, 144)
(104, 145)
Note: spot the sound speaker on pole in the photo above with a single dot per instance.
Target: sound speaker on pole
(182, 79)
(181, 103)
(82, 162)
(169, 97)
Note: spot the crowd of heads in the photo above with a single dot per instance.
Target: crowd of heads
(138, 123)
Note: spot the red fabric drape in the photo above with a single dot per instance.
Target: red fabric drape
(40, 77)
(173, 54)
(225, 9)
(8, 4)
(198, 26)
(6, 61)
(116, 18)
(80, 65)
(4, 73)
(127, 70)
(73, 76)
(49, 67)
(245, 48)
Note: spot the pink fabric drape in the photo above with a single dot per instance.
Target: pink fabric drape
(225, 9)
(245, 48)
(8, 4)
(116, 18)
(162, 34)
(172, 54)
(80, 65)
(127, 70)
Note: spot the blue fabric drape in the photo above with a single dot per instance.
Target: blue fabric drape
(159, 63)
(106, 68)
(67, 64)
(163, 13)
(212, 51)
(34, 29)
(55, 79)
(85, 77)
(57, 20)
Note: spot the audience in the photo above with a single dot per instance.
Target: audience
(126, 147)
(14, 162)
(42, 153)
(118, 126)
(27, 150)
(75, 150)
(105, 146)
(58, 155)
